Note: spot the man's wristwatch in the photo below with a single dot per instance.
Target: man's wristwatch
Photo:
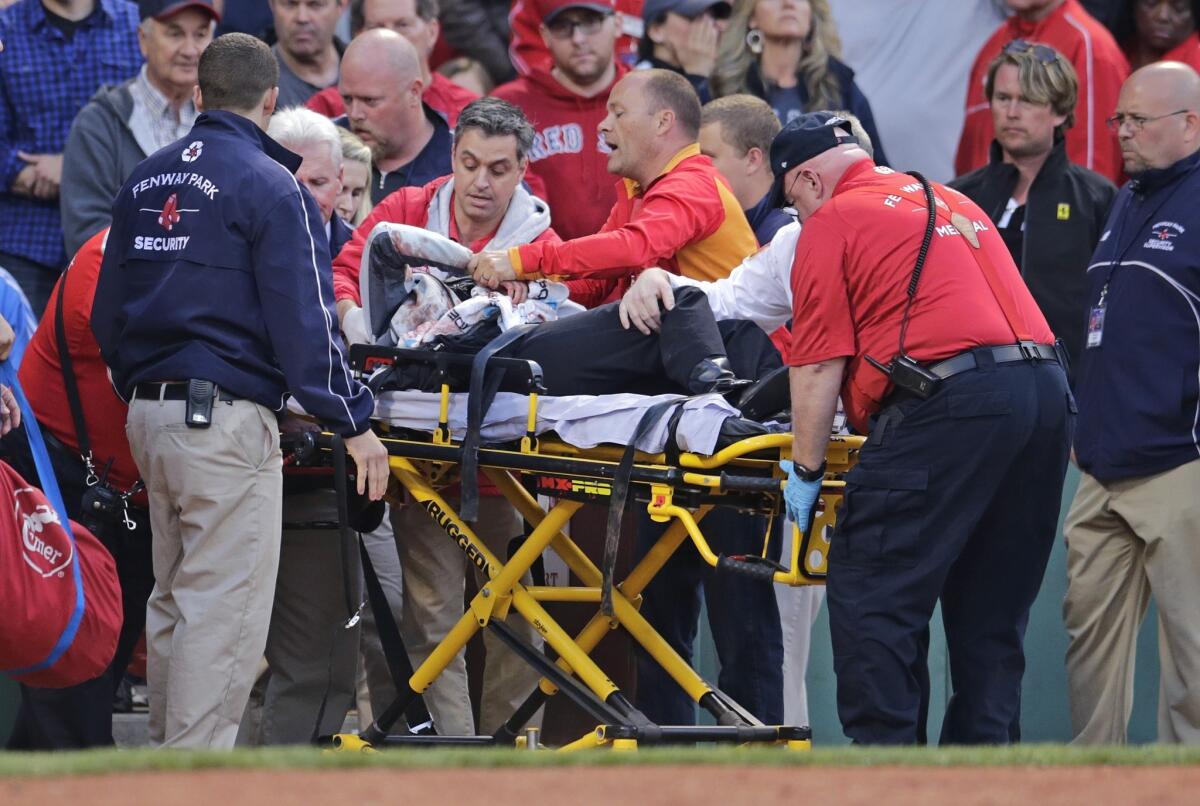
(804, 474)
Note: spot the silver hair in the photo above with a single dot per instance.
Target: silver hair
(298, 126)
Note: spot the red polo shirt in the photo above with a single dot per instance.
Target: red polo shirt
(1100, 65)
(41, 371)
(853, 263)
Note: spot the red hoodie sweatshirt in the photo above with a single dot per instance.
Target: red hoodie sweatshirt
(529, 53)
(1101, 67)
(568, 154)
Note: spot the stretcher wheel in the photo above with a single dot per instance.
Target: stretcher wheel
(351, 743)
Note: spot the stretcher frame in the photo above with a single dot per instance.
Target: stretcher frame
(745, 475)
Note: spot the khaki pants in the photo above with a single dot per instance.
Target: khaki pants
(434, 570)
(215, 512)
(1125, 541)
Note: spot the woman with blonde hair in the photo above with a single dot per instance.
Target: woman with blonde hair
(785, 52)
(354, 203)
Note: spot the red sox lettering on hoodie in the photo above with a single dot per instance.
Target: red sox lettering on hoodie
(568, 153)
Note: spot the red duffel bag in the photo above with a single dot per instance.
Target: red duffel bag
(59, 593)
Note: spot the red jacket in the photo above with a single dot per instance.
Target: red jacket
(853, 264)
(442, 95)
(1102, 69)
(408, 205)
(568, 154)
(41, 371)
(529, 53)
(1188, 52)
(686, 221)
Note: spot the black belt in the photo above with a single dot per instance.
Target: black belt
(174, 390)
(1005, 354)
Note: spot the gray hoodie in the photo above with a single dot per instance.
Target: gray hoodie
(100, 155)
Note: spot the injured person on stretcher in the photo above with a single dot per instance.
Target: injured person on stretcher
(416, 293)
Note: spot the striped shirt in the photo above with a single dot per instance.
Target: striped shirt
(154, 123)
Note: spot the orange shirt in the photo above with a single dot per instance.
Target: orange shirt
(686, 220)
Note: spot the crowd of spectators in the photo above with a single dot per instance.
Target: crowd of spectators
(558, 170)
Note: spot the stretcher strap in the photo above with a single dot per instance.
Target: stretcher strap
(479, 400)
(620, 494)
(394, 653)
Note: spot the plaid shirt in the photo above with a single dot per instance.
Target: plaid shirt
(44, 81)
(153, 122)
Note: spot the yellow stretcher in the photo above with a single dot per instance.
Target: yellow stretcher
(744, 475)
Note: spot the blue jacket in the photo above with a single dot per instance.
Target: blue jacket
(1138, 391)
(217, 267)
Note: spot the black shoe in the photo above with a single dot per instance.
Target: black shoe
(769, 396)
(714, 375)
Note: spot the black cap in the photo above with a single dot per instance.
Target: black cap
(802, 139)
(162, 9)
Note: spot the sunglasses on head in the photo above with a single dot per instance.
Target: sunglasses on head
(1043, 53)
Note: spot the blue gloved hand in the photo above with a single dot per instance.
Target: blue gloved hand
(799, 496)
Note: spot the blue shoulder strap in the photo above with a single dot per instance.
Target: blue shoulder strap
(8, 375)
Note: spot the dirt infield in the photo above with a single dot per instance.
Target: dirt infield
(1043, 786)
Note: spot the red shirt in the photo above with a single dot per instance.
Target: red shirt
(853, 263)
(41, 372)
(686, 221)
(529, 53)
(568, 153)
(1101, 67)
(442, 95)
(408, 205)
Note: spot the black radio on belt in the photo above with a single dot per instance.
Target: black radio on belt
(903, 371)
(200, 394)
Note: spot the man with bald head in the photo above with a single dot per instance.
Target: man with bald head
(960, 389)
(381, 86)
(1134, 527)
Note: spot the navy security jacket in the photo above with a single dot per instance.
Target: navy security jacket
(217, 267)
(1139, 392)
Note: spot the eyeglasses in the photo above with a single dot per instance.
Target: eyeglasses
(561, 28)
(1043, 53)
(1136, 122)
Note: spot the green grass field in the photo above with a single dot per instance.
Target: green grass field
(113, 761)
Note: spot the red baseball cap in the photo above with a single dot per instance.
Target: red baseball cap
(550, 9)
(163, 9)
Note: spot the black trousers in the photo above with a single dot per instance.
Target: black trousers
(591, 354)
(742, 612)
(954, 498)
(81, 716)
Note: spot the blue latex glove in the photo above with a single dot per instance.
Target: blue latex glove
(799, 496)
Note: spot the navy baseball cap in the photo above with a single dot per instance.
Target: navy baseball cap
(163, 9)
(550, 9)
(802, 139)
(653, 9)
